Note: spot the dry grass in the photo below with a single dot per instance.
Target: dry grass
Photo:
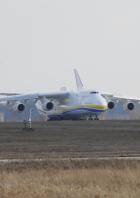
(95, 180)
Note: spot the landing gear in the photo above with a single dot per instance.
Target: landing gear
(90, 118)
(95, 117)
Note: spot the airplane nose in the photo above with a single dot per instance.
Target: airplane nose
(103, 103)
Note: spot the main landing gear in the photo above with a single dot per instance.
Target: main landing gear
(95, 117)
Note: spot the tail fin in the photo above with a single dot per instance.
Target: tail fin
(79, 83)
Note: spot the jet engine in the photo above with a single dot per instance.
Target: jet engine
(46, 104)
(49, 106)
(111, 105)
(130, 106)
(18, 107)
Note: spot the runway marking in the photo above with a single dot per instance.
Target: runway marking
(66, 159)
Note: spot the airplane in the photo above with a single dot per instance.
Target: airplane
(82, 104)
(129, 103)
(63, 105)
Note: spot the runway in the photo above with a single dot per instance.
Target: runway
(70, 139)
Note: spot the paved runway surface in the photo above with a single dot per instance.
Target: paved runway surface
(86, 139)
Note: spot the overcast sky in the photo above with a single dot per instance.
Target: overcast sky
(41, 41)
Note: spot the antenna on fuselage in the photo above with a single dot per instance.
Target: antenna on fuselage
(79, 84)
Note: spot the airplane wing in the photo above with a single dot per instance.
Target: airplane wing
(128, 102)
(46, 100)
(25, 97)
(119, 97)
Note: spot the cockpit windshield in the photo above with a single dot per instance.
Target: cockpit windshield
(94, 92)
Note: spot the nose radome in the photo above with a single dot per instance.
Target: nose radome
(102, 102)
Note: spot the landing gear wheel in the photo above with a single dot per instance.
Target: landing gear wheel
(90, 118)
(96, 117)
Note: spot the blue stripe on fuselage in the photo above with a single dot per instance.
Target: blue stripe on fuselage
(84, 109)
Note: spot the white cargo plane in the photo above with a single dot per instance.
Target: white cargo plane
(62, 105)
(129, 103)
(82, 104)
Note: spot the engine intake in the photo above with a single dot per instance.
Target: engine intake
(49, 106)
(111, 105)
(21, 107)
(130, 106)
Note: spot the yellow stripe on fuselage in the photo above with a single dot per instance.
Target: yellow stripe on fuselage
(98, 107)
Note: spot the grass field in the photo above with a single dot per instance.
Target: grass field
(57, 177)
(96, 179)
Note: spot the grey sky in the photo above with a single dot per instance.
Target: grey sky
(42, 41)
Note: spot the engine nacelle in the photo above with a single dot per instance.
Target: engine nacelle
(130, 106)
(19, 107)
(49, 106)
(111, 105)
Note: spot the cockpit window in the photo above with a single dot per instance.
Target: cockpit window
(94, 92)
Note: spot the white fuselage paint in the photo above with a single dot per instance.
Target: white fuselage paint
(76, 105)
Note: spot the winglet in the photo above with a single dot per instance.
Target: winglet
(79, 83)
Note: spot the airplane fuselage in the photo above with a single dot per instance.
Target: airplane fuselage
(76, 106)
